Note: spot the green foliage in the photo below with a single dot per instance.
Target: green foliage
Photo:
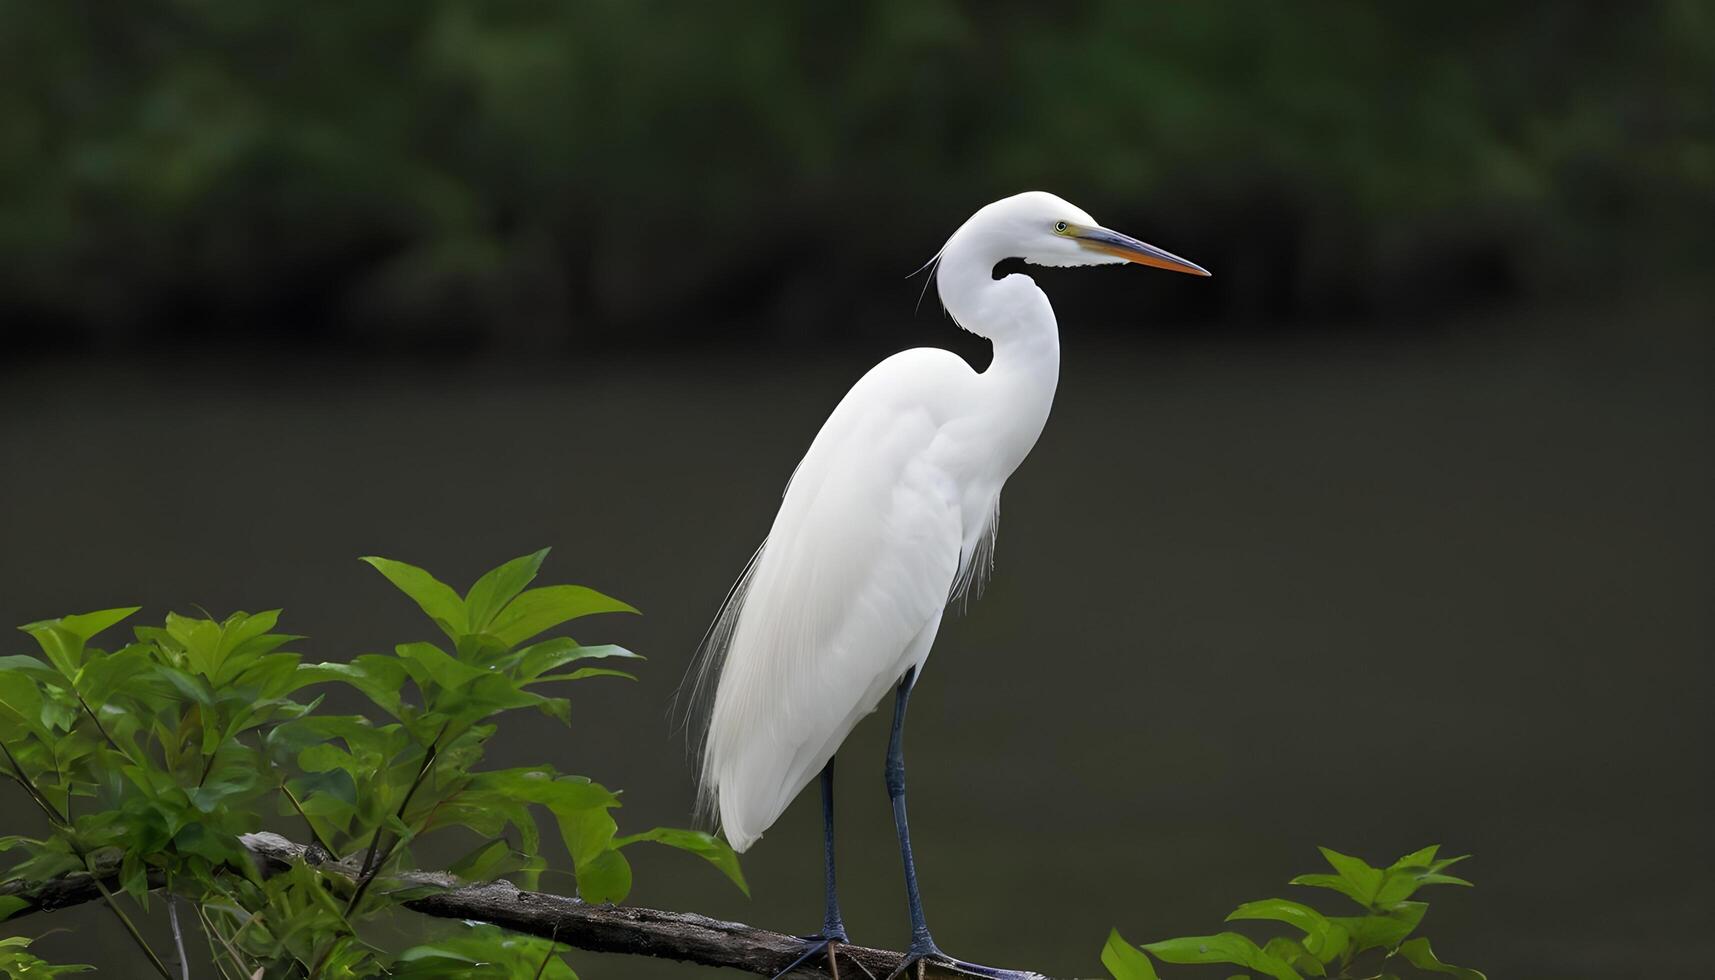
(160, 752)
(482, 952)
(1336, 139)
(1373, 945)
(18, 963)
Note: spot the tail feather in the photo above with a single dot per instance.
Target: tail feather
(700, 683)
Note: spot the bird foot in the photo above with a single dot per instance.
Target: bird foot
(928, 962)
(825, 943)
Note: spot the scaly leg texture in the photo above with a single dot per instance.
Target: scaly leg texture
(922, 952)
(833, 933)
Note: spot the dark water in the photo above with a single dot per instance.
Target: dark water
(1250, 599)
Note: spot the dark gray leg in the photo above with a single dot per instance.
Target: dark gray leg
(921, 942)
(922, 948)
(833, 927)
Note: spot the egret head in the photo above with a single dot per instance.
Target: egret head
(1043, 229)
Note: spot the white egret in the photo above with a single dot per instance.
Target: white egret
(889, 516)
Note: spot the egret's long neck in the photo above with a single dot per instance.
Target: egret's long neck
(1015, 317)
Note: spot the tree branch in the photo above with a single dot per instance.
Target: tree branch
(598, 928)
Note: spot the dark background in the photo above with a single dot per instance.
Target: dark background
(1396, 531)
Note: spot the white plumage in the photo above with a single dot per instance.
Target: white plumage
(889, 513)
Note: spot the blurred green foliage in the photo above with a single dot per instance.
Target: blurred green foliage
(18, 963)
(551, 171)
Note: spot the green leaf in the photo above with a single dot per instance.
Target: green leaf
(1396, 888)
(103, 675)
(1280, 910)
(200, 639)
(1421, 858)
(1334, 882)
(225, 786)
(218, 848)
(1125, 961)
(17, 962)
(431, 594)
(1412, 872)
(495, 589)
(1365, 880)
(240, 628)
(86, 625)
(1295, 955)
(707, 846)
(23, 664)
(1435, 879)
(1292, 953)
(584, 673)
(588, 833)
(1383, 930)
(21, 698)
(1226, 947)
(10, 904)
(486, 952)
(547, 607)
(331, 795)
(538, 658)
(606, 879)
(1418, 954)
(562, 795)
(603, 650)
(435, 665)
(559, 709)
(134, 878)
(63, 648)
(379, 678)
(486, 862)
(1322, 938)
(327, 757)
(484, 697)
(1444, 863)
(193, 687)
(1329, 945)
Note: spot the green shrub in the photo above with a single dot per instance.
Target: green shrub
(158, 754)
(1375, 945)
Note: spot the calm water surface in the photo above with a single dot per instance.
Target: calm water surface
(1250, 599)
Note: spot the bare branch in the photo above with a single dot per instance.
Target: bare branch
(625, 929)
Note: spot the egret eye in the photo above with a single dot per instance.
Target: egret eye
(1060, 227)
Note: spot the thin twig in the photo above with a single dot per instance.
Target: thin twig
(311, 824)
(178, 937)
(54, 815)
(125, 920)
(372, 867)
(102, 728)
(207, 767)
(553, 944)
(212, 934)
(372, 864)
(58, 819)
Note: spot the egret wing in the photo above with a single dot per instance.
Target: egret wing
(842, 598)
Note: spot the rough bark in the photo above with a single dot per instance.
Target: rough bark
(626, 929)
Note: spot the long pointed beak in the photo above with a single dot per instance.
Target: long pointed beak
(1132, 250)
